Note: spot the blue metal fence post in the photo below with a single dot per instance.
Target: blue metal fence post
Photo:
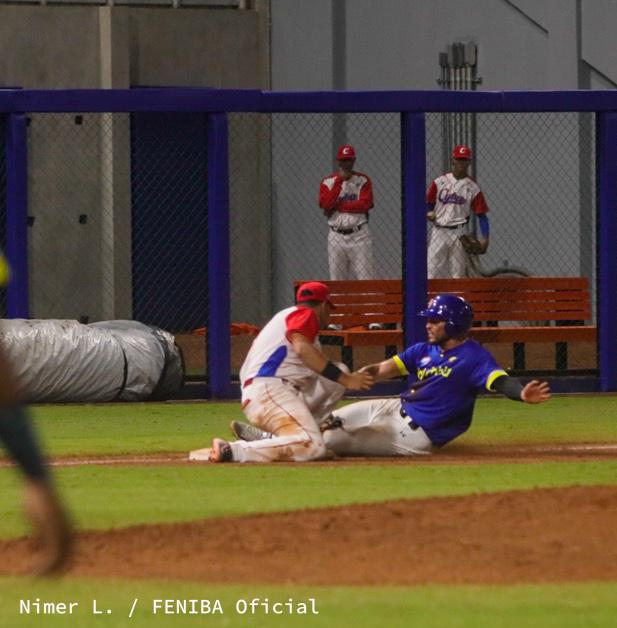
(219, 295)
(413, 163)
(17, 215)
(607, 259)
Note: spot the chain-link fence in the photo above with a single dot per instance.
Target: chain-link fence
(118, 221)
(119, 225)
(537, 173)
(285, 232)
(3, 304)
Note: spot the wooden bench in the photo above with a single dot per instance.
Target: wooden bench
(511, 310)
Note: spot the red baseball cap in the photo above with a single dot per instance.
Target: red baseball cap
(347, 151)
(461, 152)
(314, 291)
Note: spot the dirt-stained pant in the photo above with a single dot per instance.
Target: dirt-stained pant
(292, 416)
(375, 427)
(446, 256)
(351, 256)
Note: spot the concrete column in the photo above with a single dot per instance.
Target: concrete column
(563, 23)
(115, 164)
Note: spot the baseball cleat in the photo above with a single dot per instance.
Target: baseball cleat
(220, 451)
(244, 431)
(331, 422)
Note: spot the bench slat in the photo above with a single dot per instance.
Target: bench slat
(362, 299)
(567, 333)
(527, 296)
(367, 309)
(507, 283)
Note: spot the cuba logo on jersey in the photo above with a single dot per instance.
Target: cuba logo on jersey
(453, 198)
(444, 371)
(348, 197)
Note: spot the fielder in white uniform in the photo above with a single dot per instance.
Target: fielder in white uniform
(450, 200)
(289, 386)
(346, 197)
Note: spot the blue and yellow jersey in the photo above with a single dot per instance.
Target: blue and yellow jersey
(443, 386)
(4, 271)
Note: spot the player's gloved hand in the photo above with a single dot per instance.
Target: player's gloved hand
(536, 392)
(472, 245)
(357, 380)
(430, 216)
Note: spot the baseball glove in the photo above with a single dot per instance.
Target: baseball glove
(472, 245)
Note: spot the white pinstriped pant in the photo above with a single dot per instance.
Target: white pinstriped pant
(351, 256)
(290, 415)
(446, 256)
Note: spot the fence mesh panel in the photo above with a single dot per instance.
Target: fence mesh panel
(538, 173)
(3, 311)
(118, 207)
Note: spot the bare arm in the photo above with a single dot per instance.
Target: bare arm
(382, 370)
(316, 361)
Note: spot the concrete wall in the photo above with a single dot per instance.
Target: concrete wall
(523, 44)
(85, 169)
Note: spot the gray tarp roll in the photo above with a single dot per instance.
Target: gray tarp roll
(64, 360)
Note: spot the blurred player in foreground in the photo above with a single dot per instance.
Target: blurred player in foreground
(446, 374)
(289, 386)
(41, 502)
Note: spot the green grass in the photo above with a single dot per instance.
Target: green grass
(563, 606)
(166, 427)
(104, 497)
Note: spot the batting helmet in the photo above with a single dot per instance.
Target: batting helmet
(455, 311)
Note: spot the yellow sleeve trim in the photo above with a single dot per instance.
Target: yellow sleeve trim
(401, 367)
(492, 377)
(5, 273)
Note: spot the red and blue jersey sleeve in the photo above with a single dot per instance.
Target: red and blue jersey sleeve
(431, 194)
(478, 204)
(328, 197)
(302, 321)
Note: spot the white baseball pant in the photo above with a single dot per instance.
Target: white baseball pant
(291, 415)
(351, 256)
(375, 427)
(446, 256)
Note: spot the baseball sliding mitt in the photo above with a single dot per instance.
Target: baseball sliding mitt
(472, 245)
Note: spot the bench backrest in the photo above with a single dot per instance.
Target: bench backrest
(521, 298)
(365, 301)
(362, 301)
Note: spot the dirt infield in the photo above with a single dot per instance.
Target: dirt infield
(453, 454)
(543, 535)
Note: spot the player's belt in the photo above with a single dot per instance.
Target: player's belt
(412, 424)
(348, 231)
(461, 224)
